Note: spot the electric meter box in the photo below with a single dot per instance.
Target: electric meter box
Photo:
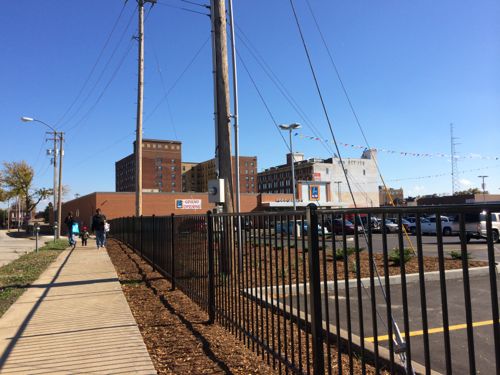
(216, 191)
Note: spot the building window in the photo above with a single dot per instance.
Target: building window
(252, 164)
(246, 171)
(173, 183)
(173, 177)
(172, 161)
(172, 168)
(364, 172)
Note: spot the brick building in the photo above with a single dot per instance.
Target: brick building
(362, 173)
(114, 204)
(195, 176)
(161, 167)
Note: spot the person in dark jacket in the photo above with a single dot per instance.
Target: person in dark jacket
(70, 221)
(98, 223)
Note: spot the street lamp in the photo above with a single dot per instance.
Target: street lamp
(56, 134)
(289, 128)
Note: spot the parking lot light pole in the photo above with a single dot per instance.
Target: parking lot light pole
(290, 128)
(483, 187)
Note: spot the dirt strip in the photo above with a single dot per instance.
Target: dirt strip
(174, 328)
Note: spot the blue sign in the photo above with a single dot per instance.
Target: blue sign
(314, 192)
(178, 203)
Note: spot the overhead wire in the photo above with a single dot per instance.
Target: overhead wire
(264, 103)
(280, 86)
(101, 75)
(164, 88)
(87, 80)
(190, 63)
(325, 111)
(183, 8)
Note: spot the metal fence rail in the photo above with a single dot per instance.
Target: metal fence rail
(311, 292)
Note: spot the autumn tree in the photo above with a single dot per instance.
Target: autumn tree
(16, 179)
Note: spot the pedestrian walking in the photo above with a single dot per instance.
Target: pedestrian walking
(72, 228)
(98, 227)
(84, 236)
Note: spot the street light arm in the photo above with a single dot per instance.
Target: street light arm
(47, 125)
(29, 119)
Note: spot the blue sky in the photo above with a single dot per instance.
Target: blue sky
(411, 69)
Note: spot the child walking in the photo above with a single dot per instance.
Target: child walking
(84, 236)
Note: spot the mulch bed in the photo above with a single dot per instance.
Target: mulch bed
(174, 328)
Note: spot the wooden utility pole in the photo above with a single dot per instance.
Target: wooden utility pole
(218, 13)
(59, 195)
(140, 94)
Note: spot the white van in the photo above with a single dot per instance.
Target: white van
(495, 225)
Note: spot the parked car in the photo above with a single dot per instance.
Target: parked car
(303, 225)
(495, 226)
(337, 225)
(472, 225)
(390, 226)
(429, 226)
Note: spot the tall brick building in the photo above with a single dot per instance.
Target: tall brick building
(161, 167)
(195, 176)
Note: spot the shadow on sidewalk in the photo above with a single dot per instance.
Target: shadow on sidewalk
(24, 324)
(189, 325)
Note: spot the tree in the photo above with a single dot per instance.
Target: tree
(469, 191)
(16, 179)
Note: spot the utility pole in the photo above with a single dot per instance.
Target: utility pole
(59, 195)
(54, 163)
(218, 13)
(235, 110)
(140, 95)
(454, 167)
(483, 187)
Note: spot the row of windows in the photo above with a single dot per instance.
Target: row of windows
(161, 145)
(159, 167)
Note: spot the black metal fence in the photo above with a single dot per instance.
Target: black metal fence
(340, 290)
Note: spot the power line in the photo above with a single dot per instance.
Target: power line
(92, 89)
(85, 116)
(87, 80)
(164, 88)
(280, 86)
(264, 102)
(164, 97)
(183, 8)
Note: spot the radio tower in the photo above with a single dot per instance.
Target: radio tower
(455, 186)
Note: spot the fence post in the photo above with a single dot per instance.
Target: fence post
(140, 234)
(315, 290)
(172, 252)
(211, 269)
(153, 242)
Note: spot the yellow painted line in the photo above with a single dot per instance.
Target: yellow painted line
(434, 330)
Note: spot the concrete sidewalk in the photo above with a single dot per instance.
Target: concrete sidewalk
(12, 248)
(73, 320)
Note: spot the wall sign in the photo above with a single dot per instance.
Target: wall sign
(314, 192)
(188, 204)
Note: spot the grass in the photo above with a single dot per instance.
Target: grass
(16, 276)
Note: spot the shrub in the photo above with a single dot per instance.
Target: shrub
(457, 255)
(339, 254)
(395, 256)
